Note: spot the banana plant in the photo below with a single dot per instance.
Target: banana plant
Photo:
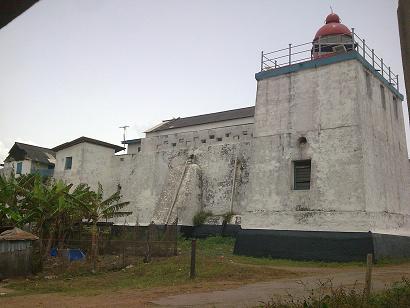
(98, 209)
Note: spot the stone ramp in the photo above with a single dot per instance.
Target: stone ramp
(188, 198)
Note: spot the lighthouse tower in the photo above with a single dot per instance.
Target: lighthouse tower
(329, 173)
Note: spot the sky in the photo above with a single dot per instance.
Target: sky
(72, 68)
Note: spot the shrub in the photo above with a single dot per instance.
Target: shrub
(201, 217)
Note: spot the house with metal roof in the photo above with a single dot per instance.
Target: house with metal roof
(29, 159)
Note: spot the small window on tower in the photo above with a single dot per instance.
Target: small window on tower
(301, 174)
(383, 97)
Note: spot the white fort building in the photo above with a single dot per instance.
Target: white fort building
(317, 169)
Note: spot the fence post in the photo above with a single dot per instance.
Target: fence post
(364, 48)
(389, 75)
(123, 255)
(382, 65)
(290, 54)
(373, 57)
(262, 61)
(320, 47)
(193, 255)
(369, 269)
(175, 236)
(353, 39)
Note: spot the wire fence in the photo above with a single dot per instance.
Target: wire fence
(326, 47)
(110, 250)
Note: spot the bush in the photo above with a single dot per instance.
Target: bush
(201, 217)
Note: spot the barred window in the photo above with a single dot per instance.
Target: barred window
(301, 174)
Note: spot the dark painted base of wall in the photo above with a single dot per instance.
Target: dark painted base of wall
(320, 246)
(203, 231)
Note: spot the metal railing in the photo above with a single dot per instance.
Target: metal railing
(305, 52)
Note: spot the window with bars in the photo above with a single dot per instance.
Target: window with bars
(301, 174)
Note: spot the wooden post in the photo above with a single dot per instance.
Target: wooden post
(193, 253)
(369, 269)
(123, 255)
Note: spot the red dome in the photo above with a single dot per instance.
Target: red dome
(332, 27)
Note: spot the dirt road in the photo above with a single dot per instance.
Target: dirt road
(228, 295)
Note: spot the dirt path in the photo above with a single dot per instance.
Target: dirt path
(224, 294)
(250, 294)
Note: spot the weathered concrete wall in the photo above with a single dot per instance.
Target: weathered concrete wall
(90, 164)
(386, 171)
(149, 180)
(328, 106)
(12, 166)
(360, 174)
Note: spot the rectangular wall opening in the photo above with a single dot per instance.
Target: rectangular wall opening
(301, 174)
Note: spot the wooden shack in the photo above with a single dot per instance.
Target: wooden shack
(16, 251)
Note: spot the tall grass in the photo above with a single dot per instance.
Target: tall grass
(398, 296)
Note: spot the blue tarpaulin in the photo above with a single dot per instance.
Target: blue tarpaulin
(70, 254)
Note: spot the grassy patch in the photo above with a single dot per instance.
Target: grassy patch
(215, 263)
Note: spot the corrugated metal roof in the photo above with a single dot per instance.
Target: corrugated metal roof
(205, 119)
(21, 151)
(17, 234)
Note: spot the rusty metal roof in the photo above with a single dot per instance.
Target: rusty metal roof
(17, 234)
(21, 151)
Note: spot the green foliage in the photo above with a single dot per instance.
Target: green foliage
(326, 296)
(227, 217)
(53, 207)
(201, 217)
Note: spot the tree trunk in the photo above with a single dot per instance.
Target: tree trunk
(49, 243)
(94, 241)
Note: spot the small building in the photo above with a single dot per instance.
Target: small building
(84, 158)
(29, 159)
(16, 251)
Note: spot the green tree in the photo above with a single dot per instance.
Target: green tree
(97, 209)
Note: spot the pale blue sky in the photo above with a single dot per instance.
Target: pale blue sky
(73, 68)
